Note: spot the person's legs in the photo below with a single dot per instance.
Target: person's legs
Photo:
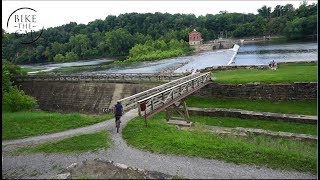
(118, 123)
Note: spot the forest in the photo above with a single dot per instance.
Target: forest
(150, 36)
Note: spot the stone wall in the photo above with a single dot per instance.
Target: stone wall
(92, 97)
(96, 97)
(294, 91)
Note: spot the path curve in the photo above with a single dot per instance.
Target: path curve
(120, 152)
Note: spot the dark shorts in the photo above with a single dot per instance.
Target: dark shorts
(118, 118)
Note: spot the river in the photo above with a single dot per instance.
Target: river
(248, 54)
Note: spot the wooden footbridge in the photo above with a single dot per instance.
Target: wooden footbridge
(169, 97)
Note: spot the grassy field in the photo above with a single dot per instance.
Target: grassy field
(81, 143)
(286, 73)
(299, 128)
(25, 124)
(260, 150)
(306, 107)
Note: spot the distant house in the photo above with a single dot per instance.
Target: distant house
(195, 38)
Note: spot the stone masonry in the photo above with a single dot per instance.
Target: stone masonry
(294, 91)
(92, 97)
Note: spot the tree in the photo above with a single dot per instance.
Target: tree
(71, 56)
(79, 43)
(59, 58)
(264, 11)
(301, 27)
(119, 42)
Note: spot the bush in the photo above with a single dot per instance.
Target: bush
(16, 100)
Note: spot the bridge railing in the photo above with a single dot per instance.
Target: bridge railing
(159, 101)
(131, 101)
(105, 77)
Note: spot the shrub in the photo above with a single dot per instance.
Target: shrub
(16, 100)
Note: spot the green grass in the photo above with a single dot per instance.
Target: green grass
(74, 69)
(276, 153)
(285, 73)
(25, 124)
(25, 69)
(303, 107)
(81, 143)
(299, 128)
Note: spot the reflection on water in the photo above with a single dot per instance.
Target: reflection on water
(248, 54)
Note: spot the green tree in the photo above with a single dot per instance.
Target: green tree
(79, 43)
(119, 42)
(264, 11)
(71, 56)
(59, 58)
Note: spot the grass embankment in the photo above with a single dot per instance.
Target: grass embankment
(304, 107)
(260, 150)
(285, 73)
(299, 128)
(25, 124)
(81, 143)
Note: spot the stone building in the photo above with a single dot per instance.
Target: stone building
(195, 38)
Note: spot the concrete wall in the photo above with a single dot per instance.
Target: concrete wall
(294, 91)
(93, 97)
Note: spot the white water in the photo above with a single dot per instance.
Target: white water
(208, 59)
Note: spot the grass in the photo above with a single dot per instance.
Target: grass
(275, 153)
(303, 107)
(25, 69)
(25, 124)
(81, 143)
(285, 73)
(74, 69)
(299, 128)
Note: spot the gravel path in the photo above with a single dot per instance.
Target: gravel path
(47, 166)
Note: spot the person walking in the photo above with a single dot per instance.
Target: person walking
(118, 110)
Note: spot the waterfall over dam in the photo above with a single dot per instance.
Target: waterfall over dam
(220, 57)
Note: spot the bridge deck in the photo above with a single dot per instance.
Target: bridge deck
(165, 98)
(131, 101)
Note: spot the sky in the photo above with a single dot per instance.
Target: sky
(56, 13)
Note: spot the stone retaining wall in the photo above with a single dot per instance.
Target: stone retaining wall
(78, 96)
(294, 91)
(238, 113)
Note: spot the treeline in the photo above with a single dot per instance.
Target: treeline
(117, 35)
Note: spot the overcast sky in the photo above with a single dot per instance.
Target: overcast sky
(56, 13)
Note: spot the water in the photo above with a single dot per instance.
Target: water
(263, 53)
(50, 67)
(248, 54)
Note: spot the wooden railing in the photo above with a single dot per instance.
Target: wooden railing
(131, 101)
(165, 98)
(105, 77)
